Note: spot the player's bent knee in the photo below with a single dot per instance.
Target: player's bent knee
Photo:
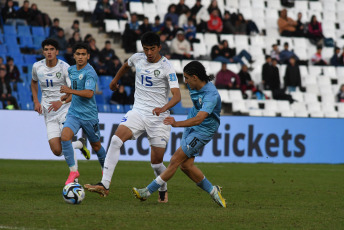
(96, 146)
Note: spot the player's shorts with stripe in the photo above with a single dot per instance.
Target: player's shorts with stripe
(192, 142)
(54, 121)
(158, 133)
(90, 127)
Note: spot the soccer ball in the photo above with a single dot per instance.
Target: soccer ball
(73, 193)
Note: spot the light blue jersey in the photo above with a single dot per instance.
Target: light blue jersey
(85, 78)
(208, 100)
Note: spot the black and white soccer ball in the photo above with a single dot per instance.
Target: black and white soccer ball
(73, 193)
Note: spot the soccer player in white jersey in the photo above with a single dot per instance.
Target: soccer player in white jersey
(51, 73)
(155, 76)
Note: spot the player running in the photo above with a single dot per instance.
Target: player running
(201, 124)
(155, 76)
(51, 73)
(83, 111)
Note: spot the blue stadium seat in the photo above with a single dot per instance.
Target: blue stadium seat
(127, 90)
(117, 108)
(105, 81)
(17, 57)
(26, 105)
(100, 99)
(1, 106)
(47, 31)
(37, 41)
(104, 108)
(13, 50)
(38, 31)
(107, 93)
(24, 30)
(29, 59)
(61, 58)
(127, 108)
(10, 30)
(3, 49)
(11, 39)
(26, 42)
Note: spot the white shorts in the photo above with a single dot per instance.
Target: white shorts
(54, 121)
(158, 133)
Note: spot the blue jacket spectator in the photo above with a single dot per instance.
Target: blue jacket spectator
(286, 54)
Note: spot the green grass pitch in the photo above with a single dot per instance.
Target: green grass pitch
(259, 196)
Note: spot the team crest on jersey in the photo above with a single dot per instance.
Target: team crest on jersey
(156, 73)
(81, 76)
(58, 75)
(200, 100)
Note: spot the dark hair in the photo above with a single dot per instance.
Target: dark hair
(196, 68)
(81, 45)
(50, 41)
(150, 39)
(56, 20)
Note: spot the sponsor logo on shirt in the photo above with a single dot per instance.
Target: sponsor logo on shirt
(49, 74)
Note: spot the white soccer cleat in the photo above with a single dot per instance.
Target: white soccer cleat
(217, 197)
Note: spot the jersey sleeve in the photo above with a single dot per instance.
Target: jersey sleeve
(66, 74)
(172, 76)
(133, 59)
(90, 81)
(209, 103)
(34, 73)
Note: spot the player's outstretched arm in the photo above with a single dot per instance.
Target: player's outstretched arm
(81, 93)
(34, 89)
(197, 120)
(113, 84)
(176, 97)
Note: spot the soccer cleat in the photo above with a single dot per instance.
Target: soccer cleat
(84, 149)
(98, 188)
(163, 197)
(141, 194)
(217, 197)
(72, 177)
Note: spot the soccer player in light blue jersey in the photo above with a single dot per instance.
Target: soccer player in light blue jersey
(202, 122)
(83, 111)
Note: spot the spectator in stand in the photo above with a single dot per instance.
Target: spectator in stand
(9, 14)
(12, 71)
(300, 27)
(233, 57)
(12, 103)
(172, 15)
(102, 11)
(240, 25)
(228, 26)
(195, 9)
(88, 38)
(1, 60)
(25, 12)
(215, 22)
(114, 65)
(269, 79)
(68, 55)
(157, 26)
(168, 29)
(60, 38)
(107, 53)
(55, 27)
(183, 18)
(128, 78)
(214, 6)
(69, 31)
(292, 77)
(202, 18)
(100, 67)
(246, 80)
(286, 54)
(286, 25)
(75, 38)
(119, 10)
(131, 34)
(94, 52)
(340, 94)
(315, 33)
(145, 26)
(181, 7)
(119, 97)
(180, 47)
(190, 31)
(165, 49)
(336, 58)
(275, 53)
(317, 57)
(5, 87)
(38, 18)
(226, 79)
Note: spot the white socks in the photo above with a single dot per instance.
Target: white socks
(158, 169)
(111, 160)
(77, 145)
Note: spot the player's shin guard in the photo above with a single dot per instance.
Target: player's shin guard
(101, 156)
(68, 153)
(158, 169)
(111, 160)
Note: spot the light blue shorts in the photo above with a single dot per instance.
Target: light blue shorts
(91, 127)
(192, 142)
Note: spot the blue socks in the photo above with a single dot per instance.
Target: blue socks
(205, 185)
(153, 187)
(101, 156)
(68, 152)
